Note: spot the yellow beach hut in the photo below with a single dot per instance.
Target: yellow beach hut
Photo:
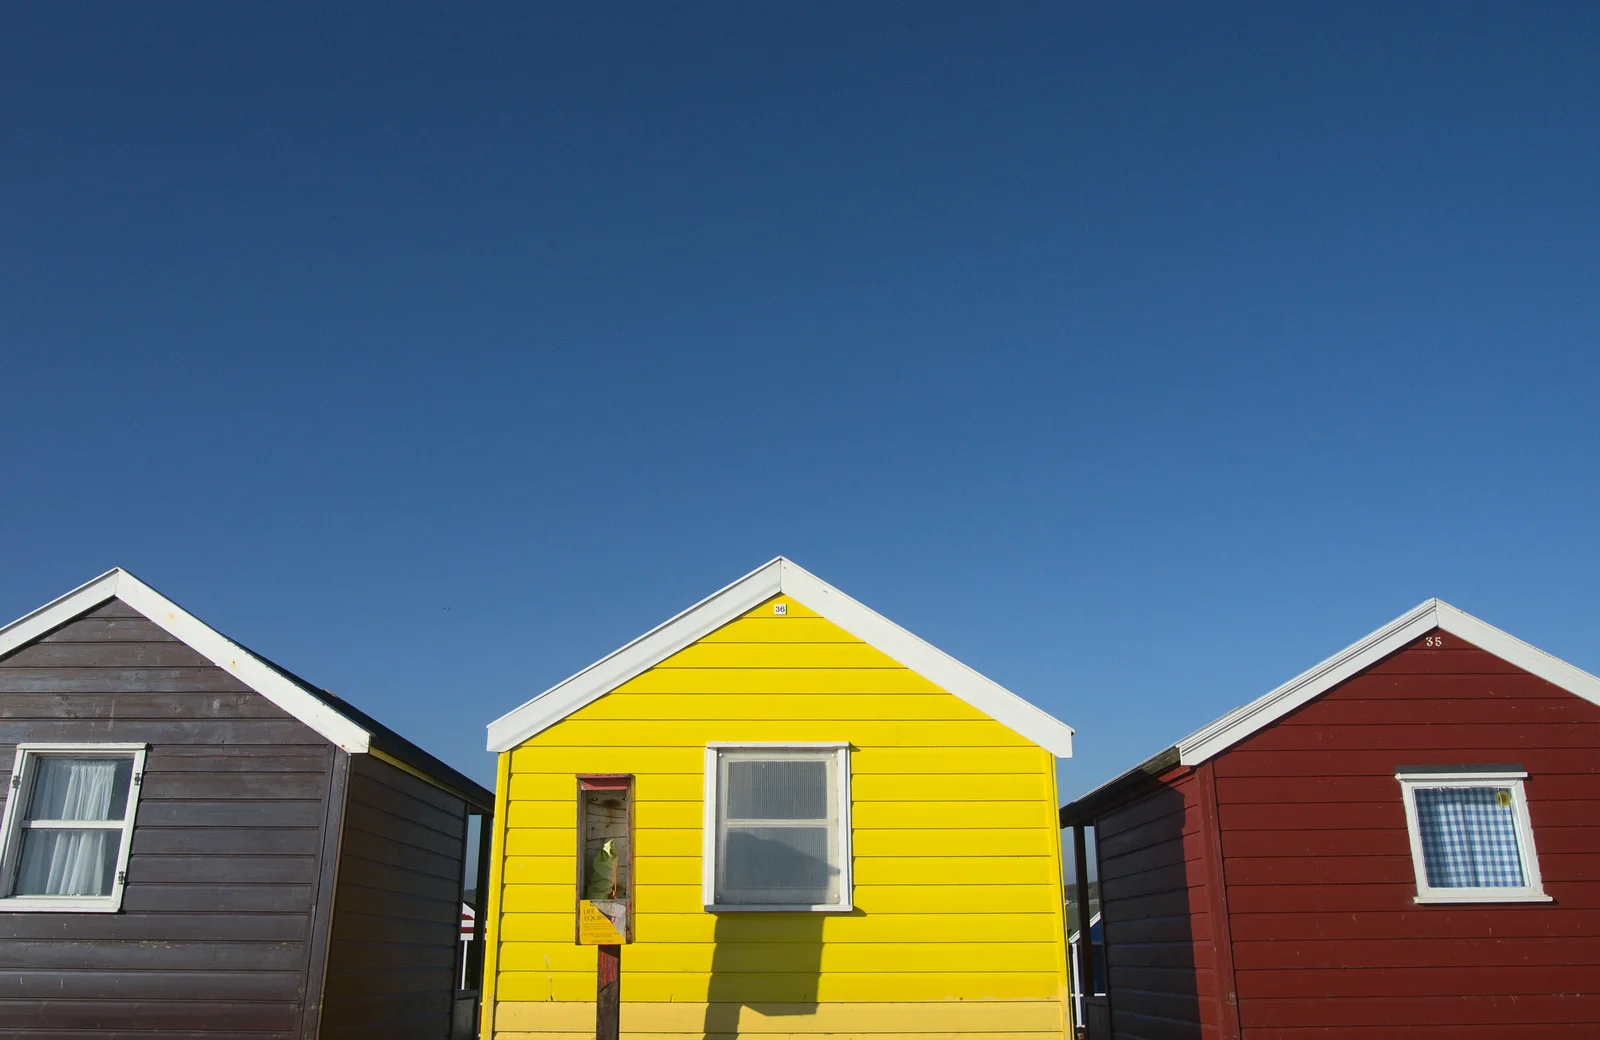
(799, 818)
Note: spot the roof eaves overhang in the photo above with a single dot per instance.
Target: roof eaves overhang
(1083, 811)
(1223, 733)
(205, 640)
(779, 576)
(1268, 708)
(331, 717)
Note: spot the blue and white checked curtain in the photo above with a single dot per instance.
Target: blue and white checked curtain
(1469, 837)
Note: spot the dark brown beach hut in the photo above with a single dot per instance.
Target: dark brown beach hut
(198, 843)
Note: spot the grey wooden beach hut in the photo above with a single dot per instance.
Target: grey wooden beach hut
(198, 843)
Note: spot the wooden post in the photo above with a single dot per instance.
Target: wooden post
(480, 889)
(1080, 866)
(1228, 1026)
(608, 993)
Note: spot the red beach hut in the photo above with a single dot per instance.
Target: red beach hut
(1402, 842)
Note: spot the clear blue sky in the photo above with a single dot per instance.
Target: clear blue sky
(1139, 356)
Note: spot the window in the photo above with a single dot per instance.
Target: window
(1470, 837)
(777, 827)
(67, 827)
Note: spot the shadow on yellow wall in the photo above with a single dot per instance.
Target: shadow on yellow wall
(785, 984)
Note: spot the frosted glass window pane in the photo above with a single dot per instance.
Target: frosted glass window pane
(778, 790)
(791, 859)
(80, 788)
(68, 862)
(778, 839)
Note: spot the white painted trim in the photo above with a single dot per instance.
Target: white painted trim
(928, 661)
(1483, 895)
(1077, 966)
(708, 832)
(1240, 723)
(59, 611)
(780, 908)
(249, 669)
(1532, 892)
(209, 643)
(617, 667)
(1073, 938)
(1461, 778)
(780, 576)
(11, 826)
(847, 889)
(92, 746)
(1509, 648)
(806, 745)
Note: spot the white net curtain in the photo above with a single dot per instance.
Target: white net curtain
(74, 826)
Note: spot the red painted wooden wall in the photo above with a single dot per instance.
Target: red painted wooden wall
(1317, 916)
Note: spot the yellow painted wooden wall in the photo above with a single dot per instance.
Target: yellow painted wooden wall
(958, 929)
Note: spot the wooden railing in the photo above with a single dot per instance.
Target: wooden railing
(1097, 1018)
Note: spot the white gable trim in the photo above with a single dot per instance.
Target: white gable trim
(928, 661)
(1240, 723)
(209, 643)
(59, 611)
(779, 577)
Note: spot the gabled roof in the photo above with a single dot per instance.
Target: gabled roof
(1236, 725)
(786, 578)
(1425, 617)
(334, 718)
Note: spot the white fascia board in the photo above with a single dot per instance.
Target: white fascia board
(1313, 682)
(59, 611)
(243, 665)
(209, 643)
(1362, 654)
(1509, 648)
(644, 653)
(780, 576)
(1073, 938)
(928, 661)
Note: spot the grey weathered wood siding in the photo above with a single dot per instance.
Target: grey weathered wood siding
(397, 908)
(213, 937)
(1160, 954)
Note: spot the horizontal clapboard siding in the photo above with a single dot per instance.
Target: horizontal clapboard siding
(1159, 949)
(217, 912)
(397, 911)
(958, 929)
(1319, 872)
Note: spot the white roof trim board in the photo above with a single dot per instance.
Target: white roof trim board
(779, 577)
(209, 643)
(1240, 723)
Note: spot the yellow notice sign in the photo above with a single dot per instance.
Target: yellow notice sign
(595, 928)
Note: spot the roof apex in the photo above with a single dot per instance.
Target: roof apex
(778, 576)
(1222, 733)
(232, 658)
(340, 723)
(1433, 613)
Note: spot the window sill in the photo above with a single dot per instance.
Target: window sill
(58, 905)
(779, 908)
(1481, 896)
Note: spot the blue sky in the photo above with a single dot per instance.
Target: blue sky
(1140, 356)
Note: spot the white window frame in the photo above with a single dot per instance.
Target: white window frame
(1510, 778)
(708, 852)
(18, 795)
